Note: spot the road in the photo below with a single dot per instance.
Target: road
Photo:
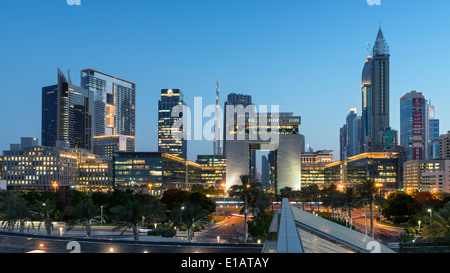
(382, 232)
(228, 230)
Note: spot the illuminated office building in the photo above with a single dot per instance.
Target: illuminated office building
(211, 160)
(94, 175)
(154, 172)
(28, 166)
(433, 133)
(113, 103)
(66, 114)
(375, 92)
(414, 125)
(444, 146)
(166, 141)
(240, 147)
(106, 146)
(313, 167)
(381, 167)
(426, 176)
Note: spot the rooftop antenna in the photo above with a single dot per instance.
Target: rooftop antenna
(369, 49)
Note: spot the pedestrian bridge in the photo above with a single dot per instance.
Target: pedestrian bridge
(296, 231)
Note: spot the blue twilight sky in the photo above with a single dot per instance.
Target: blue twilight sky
(304, 55)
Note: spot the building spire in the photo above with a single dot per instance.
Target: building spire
(218, 146)
(381, 47)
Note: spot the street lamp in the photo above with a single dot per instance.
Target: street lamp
(379, 186)
(182, 208)
(419, 225)
(55, 185)
(101, 215)
(224, 186)
(430, 211)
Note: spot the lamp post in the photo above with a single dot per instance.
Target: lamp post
(419, 225)
(430, 211)
(224, 186)
(55, 185)
(101, 215)
(182, 208)
(379, 185)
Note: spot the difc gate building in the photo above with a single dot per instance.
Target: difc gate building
(277, 132)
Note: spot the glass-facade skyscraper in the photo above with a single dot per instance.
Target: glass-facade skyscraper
(433, 133)
(414, 125)
(113, 103)
(66, 114)
(375, 92)
(166, 142)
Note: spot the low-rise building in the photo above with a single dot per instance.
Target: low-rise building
(426, 175)
(28, 166)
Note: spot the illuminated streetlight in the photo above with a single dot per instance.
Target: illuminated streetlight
(430, 211)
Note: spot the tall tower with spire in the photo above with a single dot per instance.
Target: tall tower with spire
(375, 93)
(218, 144)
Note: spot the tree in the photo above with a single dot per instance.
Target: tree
(440, 226)
(174, 197)
(189, 215)
(397, 203)
(260, 225)
(423, 201)
(349, 202)
(85, 213)
(203, 201)
(309, 193)
(7, 200)
(286, 192)
(131, 214)
(14, 209)
(328, 195)
(247, 192)
(46, 209)
(156, 211)
(367, 196)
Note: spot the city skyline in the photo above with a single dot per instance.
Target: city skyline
(250, 65)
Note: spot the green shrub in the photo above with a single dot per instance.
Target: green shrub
(168, 232)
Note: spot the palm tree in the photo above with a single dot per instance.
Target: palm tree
(328, 196)
(21, 212)
(130, 215)
(247, 192)
(189, 215)
(7, 200)
(156, 211)
(45, 210)
(301, 196)
(366, 196)
(309, 193)
(349, 202)
(85, 213)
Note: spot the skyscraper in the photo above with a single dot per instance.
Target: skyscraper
(233, 100)
(113, 103)
(343, 143)
(352, 133)
(414, 125)
(66, 114)
(218, 143)
(433, 133)
(375, 92)
(166, 142)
